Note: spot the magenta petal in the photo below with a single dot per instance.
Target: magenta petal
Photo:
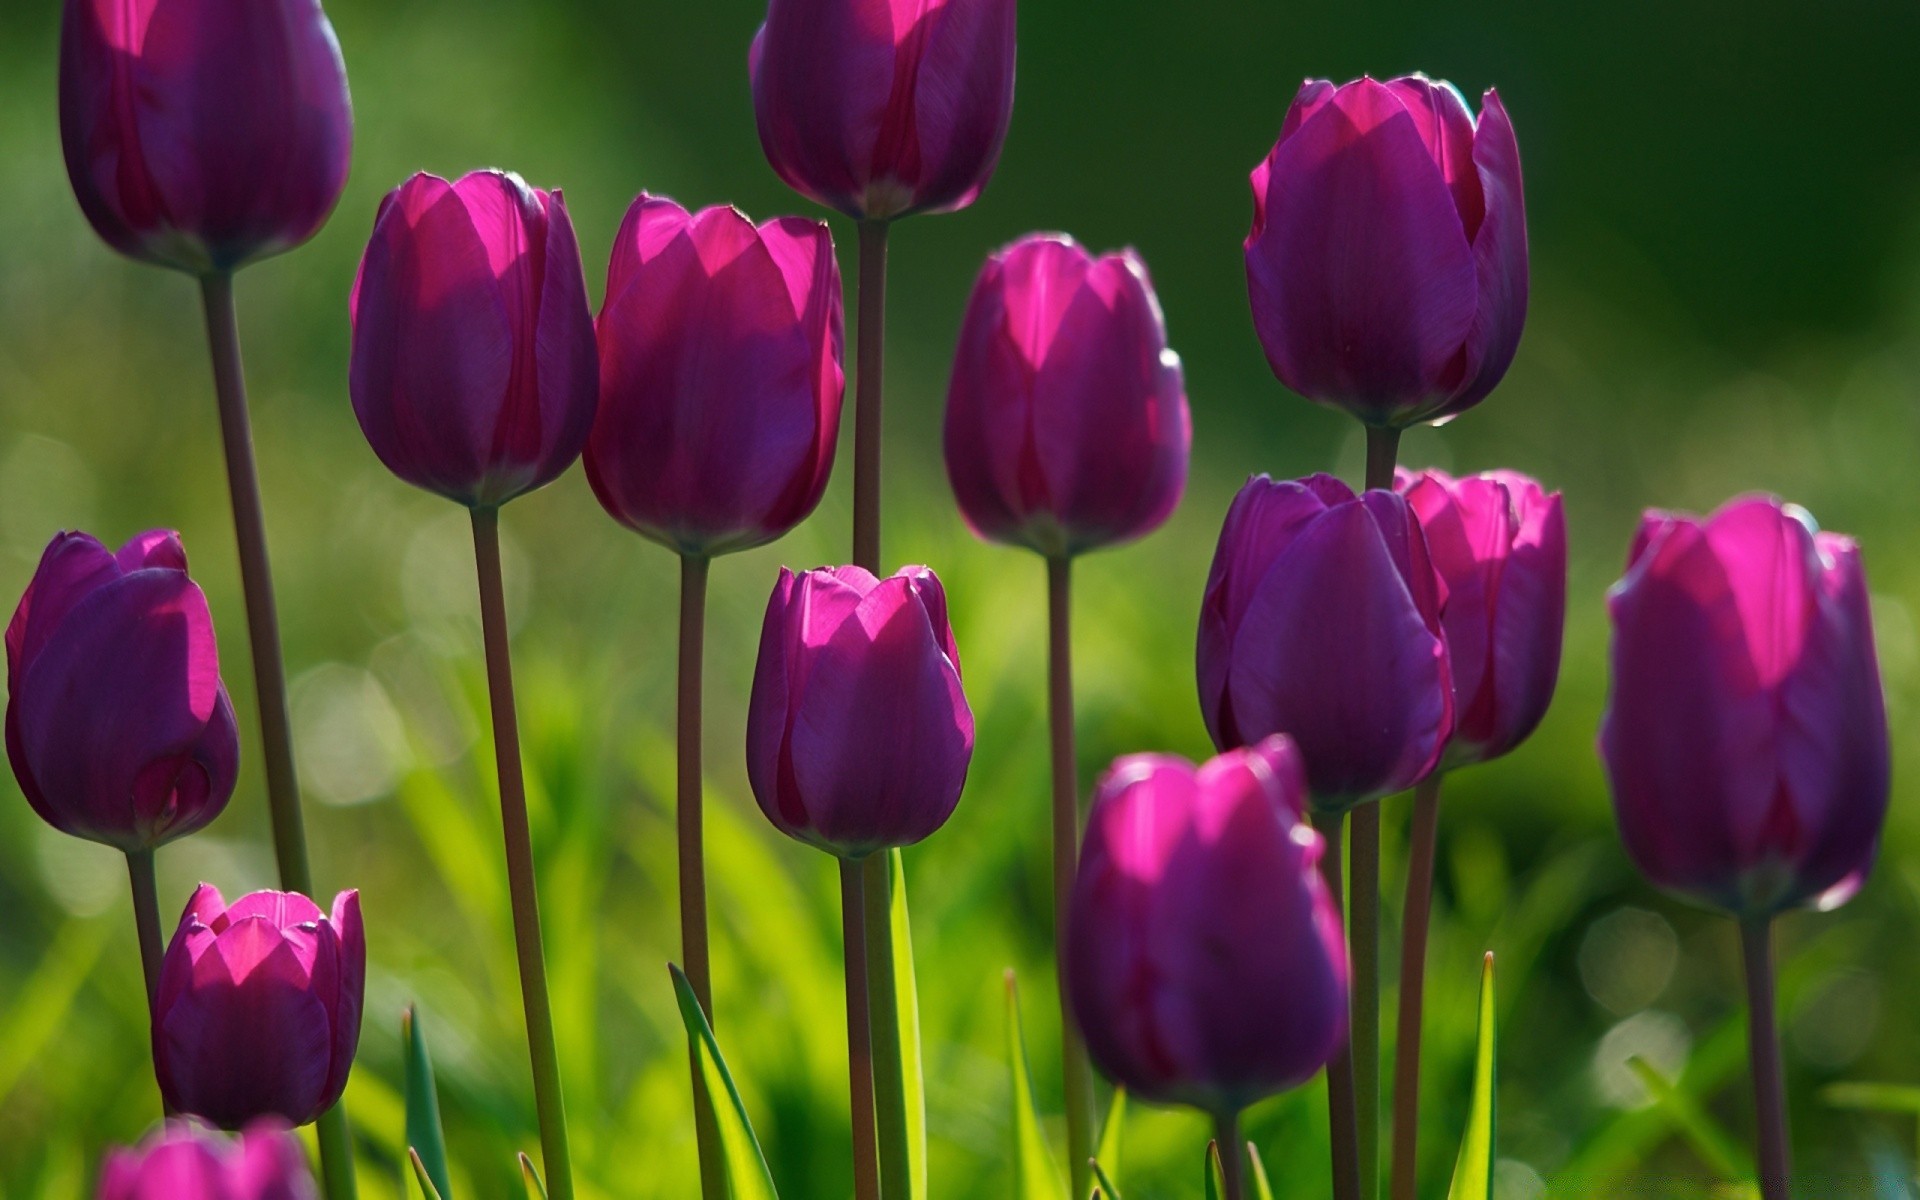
(272, 1165)
(72, 566)
(1447, 128)
(1500, 258)
(962, 102)
(350, 970)
(567, 364)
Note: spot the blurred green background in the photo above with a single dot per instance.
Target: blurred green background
(1726, 267)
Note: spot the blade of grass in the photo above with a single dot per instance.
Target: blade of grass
(1473, 1171)
(426, 1139)
(1716, 1148)
(421, 1177)
(907, 1003)
(1034, 1175)
(1216, 1173)
(1103, 1183)
(1262, 1186)
(1108, 1153)
(747, 1175)
(530, 1176)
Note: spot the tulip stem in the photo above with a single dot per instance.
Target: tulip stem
(519, 842)
(883, 1011)
(1233, 1154)
(1076, 1071)
(1341, 1114)
(693, 868)
(1763, 1048)
(1383, 455)
(866, 1154)
(146, 923)
(872, 335)
(1413, 982)
(269, 670)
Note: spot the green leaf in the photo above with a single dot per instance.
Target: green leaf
(906, 998)
(1262, 1187)
(1716, 1148)
(421, 1177)
(531, 1177)
(747, 1175)
(1108, 1152)
(425, 1137)
(1216, 1173)
(1103, 1183)
(1473, 1171)
(1896, 1098)
(1034, 1176)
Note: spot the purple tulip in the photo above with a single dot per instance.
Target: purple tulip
(1387, 264)
(474, 369)
(1205, 961)
(1322, 621)
(258, 1012)
(720, 376)
(1499, 542)
(1746, 735)
(858, 734)
(118, 727)
(1067, 425)
(203, 134)
(881, 108)
(186, 1161)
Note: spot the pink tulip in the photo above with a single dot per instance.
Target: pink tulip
(1746, 734)
(1387, 264)
(118, 727)
(1204, 959)
(858, 732)
(203, 134)
(881, 108)
(720, 376)
(186, 1161)
(258, 1012)
(1067, 425)
(1499, 542)
(474, 370)
(1322, 621)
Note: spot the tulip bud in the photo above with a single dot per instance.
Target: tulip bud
(1746, 735)
(118, 727)
(1204, 960)
(1067, 425)
(474, 371)
(881, 108)
(203, 134)
(186, 1161)
(720, 377)
(1322, 621)
(1499, 543)
(258, 1012)
(1387, 264)
(858, 734)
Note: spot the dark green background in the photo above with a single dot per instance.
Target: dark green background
(1725, 244)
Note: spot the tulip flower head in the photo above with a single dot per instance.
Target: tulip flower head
(1499, 543)
(1746, 733)
(1067, 426)
(1322, 621)
(881, 108)
(203, 135)
(1387, 264)
(858, 733)
(184, 1160)
(474, 370)
(720, 376)
(118, 727)
(258, 1011)
(1205, 960)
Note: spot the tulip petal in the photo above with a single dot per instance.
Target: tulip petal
(1447, 128)
(822, 79)
(962, 79)
(1500, 259)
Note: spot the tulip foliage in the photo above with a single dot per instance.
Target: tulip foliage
(1216, 926)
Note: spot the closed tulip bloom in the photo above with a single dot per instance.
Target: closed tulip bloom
(858, 733)
(118, 727)
(1322, 621)
(1387, 264)
(203, 134)
(258, 1012)
(1499, 543)
(1746, 735)
(720, 376)
(186, 1161)
(474, 370)
(880, 108)
(1204, 960)
(1067, 426)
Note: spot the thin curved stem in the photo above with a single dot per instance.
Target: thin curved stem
(1413, 986)
(1076, 1071)
(866, 1151)
(146, 924)
(1341, 1116)
(693, 863)
(1763, 1048)
(521, 887)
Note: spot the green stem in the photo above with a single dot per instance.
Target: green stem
(1233, 1154)
(1075, 1069)
(1413, 984)
(871, 336)
(883, 1011)
(521, 886)
(269, 669)
(693, 869)
(1363, 935)
(146, 924)
(1763, 1048)
(1341, 1117)
(853, 923)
